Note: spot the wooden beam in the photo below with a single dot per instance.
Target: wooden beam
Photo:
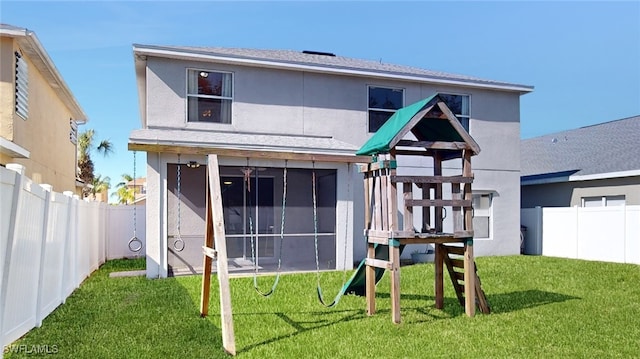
(439, 277)
(456, 250)
(468, 195)
(394, 258)
(435, 145)
(208, 243)
(368, 188)
(426, 211)
(469, 279)
(370, 281)
(407, 193)
(437, 171)
(377, 202)
(411, 124)
(378, 263)
(209, 252)
(458, 126)
(244, 153)
(456, 196)
(432, 179)
(215, 198)
(438, 202)
(378, 165)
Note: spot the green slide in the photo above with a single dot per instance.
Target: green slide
(356, 284)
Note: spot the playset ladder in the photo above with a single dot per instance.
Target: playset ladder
(453, 257)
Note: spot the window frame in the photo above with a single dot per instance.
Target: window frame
(489, 213)
(604, 200)
(189, 95)
(369, 109)
(458, 116)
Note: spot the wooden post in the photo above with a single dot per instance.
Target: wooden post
(394, 246)
(469, 279)
(407, 190)
(206, 271)
(394, 258)
(392, 195)
(215, 198)
(437, 171)
(439, 277)
(458, 224)
(466, 172)
(426, 210)
(370, 281)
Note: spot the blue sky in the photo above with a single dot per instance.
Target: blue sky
(582, 57)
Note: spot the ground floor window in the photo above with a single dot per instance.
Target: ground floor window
(252, 199)
(603, 201)
(482, 215)
(253, 204)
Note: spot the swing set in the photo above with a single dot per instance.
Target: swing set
(254, 237)
(215, 244)
(436, 134)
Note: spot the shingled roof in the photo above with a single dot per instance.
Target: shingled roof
(319, 61)
(606, 148)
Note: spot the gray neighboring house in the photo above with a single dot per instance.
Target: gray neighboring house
(256, 108)
(595, 165)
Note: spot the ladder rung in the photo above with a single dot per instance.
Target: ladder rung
(458, 275)
(457, 263)
(378, 263)
(455, 250)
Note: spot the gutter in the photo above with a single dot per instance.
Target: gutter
(183, 55)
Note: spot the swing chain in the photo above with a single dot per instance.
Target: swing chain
(178, 243)
(255, 237)
(135, 244)
(315, 240)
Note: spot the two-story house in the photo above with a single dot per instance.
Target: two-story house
(40, 115)
(286, 124)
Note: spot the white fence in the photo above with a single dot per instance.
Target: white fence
(610, 234)
(49, 243)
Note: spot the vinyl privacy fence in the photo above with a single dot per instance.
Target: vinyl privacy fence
(50, 242)
(610, 234)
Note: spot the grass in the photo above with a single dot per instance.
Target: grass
(542, 307)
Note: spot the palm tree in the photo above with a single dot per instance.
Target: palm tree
(100, 185)
(86, 145)
(125, 193)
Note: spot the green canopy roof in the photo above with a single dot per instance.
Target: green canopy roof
(425, 120)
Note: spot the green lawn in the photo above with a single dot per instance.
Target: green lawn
(542, 307)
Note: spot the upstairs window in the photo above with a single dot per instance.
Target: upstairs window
(459, 105)
(209, 96)
(22, 87)
(383, 103)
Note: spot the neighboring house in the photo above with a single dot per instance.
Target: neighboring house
(139, 186)
(590, 166)
(262, 111)
(40, 115)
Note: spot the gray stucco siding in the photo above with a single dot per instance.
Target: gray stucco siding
(569, 194)
(272, 101)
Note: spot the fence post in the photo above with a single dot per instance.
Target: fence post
(65, 247)
(4, 281)
(576, 223)
(538, 230)
(43, 243)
